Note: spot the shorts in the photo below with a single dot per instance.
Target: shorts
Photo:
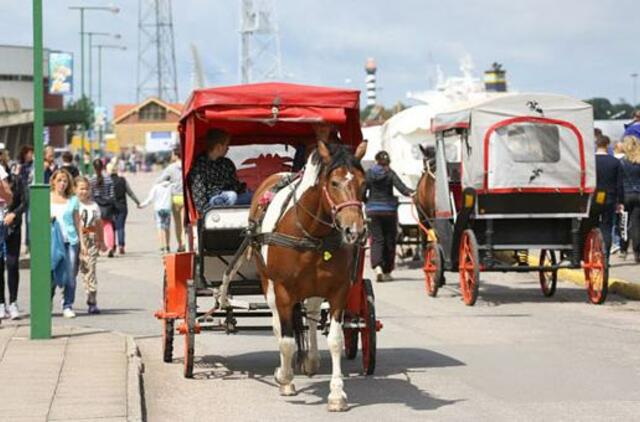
(177, 201)
(163, 219)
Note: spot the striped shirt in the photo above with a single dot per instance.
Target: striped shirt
(104, 193)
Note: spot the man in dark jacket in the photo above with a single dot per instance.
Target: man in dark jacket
(382, 210)
(213, 180)
(609, 179)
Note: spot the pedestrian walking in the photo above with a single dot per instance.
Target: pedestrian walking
(11, 212)
(66, 222)
(25, 171)
(160, 195)
(382, 210)
(173, 174)
(92, 235)
(609, 179)
(630, 166)
(49, 163)
(68, 165)
(121, 190)
(104, 196)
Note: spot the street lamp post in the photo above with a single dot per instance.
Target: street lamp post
(91, 34)
(82, 9)
(40, 300)
(100, 47)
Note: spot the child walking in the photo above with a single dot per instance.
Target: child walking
(160, 194)
(92, 234)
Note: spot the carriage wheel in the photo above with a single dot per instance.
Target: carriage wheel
(168, 328)
(189, 336)
(432, 268)
(548, 279)
(350, 343)
(469, 267)
(368, 332)
(596, 271)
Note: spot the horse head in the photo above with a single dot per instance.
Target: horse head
(343, 184)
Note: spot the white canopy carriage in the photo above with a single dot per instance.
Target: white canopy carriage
(516, 172)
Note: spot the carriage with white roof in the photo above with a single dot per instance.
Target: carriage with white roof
(513, 174)
(266, 123)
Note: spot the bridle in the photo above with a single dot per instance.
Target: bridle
(336, 208)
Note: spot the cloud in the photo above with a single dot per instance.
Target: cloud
(583, 48)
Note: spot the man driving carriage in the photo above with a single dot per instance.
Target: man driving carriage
(213, 177)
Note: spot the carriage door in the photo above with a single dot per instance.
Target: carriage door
(535, 155)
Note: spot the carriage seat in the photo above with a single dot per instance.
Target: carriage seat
(263, 167)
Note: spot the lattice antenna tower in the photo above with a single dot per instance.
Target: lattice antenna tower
(156, 51)
(260, 58)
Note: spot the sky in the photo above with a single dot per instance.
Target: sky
(581, 48)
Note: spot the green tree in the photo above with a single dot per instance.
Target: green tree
(87, 106)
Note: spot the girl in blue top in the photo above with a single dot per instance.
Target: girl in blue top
(64, 208)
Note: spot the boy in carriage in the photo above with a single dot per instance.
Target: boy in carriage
(213, 178)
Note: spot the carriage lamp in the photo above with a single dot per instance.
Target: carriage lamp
(468, 200)
(601, 196)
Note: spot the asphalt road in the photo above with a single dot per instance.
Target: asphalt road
(514, 356)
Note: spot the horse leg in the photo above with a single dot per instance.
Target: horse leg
(283, 330)
(337, 397)
(311, 362)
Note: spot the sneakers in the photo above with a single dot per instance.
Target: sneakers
(615, 249)
(68, 313)
(3, 311)
(14, 312)
(111, 252)
(93, 309)
(379, 274)
(121, 250)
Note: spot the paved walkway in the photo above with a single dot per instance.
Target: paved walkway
(79, 375)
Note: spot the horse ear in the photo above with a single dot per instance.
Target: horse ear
(324, 152)
(361, 150)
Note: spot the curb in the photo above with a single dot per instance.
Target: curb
(618, 286)
(135, 392)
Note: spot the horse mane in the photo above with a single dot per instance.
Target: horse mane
(341, 156)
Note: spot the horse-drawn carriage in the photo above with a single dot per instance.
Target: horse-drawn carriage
(301, 239)
(514, 173)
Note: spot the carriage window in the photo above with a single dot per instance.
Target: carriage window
(531, 142)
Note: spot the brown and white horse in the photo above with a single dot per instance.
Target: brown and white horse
(326, 202)
(425, 198)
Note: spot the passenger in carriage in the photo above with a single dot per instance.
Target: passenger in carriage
(213, 180)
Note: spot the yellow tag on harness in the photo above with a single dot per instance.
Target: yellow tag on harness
(326, 256)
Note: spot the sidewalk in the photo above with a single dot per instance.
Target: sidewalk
(80, 374)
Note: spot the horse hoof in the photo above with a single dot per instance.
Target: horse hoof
(338, 405)
(288, 390)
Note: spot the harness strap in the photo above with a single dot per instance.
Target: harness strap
(330, 243)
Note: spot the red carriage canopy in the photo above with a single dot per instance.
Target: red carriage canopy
(266, 113)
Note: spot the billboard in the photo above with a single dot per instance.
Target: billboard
(60, 73)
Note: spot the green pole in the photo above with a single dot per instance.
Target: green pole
(40, 214)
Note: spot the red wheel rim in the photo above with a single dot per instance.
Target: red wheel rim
(594, 267)
(467, 267)
(430, 269)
